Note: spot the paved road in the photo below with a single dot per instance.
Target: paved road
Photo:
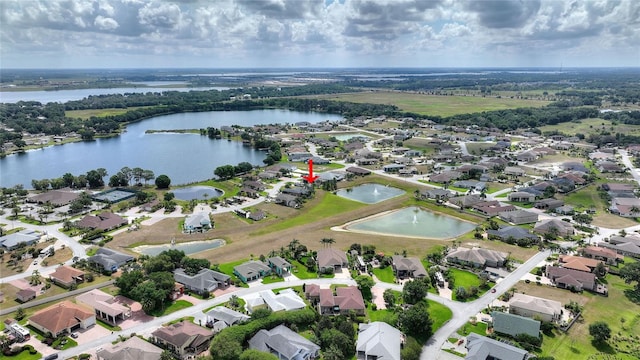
(49, 299)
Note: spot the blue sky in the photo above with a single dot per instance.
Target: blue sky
(318, 33)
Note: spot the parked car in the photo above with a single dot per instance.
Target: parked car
(51, 357)
(74, 335)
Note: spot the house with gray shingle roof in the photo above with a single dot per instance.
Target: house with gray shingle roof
(205, 281)
(514, 232)
(407, 267)
(476, 257)
(251, 270)
(279, 265)
(532, 306)
(221, 317)
(284, 343)
(12, 241)
(510, 324)
(482, 348)
(109, 260)
(198, 222)
(378, 340)
(519, 217)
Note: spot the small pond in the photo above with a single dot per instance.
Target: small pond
(370, 193)
(412, 222)
(197, 192)
(188, 247)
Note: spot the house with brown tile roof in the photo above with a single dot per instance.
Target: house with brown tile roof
(345, 300)
(133, 348)
(103, 221)
(66, 276)
(571, 279)
(63, 317)
(331, 258)
(602, 253)
(184, 339)
(25, 295)
(312, 293)
(578, 263)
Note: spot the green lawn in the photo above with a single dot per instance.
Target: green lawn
(177, 305)
(301, 271)
(227, 268)
(86, 114)
(440, 314)
(464, 278)
(272, 279)
(385, 275)
(479, 328)
(328, 205)
(24, 355)
(107, 326)
(477, 148)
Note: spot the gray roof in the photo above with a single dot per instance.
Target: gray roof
(411, 264)
(533, 303)
(133, 348)
(515, 232)
(226, 315)
(330, 258)
(109, 259)
(197, 220)
(480, 347)
(282, 340)
(513, 325)
(251, 268)
(379, 339)
(204, 280)
(279, 262)
(477, 255)
(24, 236)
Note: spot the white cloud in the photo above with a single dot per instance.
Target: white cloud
(105, 23)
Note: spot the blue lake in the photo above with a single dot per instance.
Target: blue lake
(185, 158)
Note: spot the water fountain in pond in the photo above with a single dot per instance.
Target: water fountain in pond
(370, 193)
(415, 219)
(375, 192)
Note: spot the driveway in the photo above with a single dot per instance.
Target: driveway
(90, 334)
(378, 297)
(137, 315)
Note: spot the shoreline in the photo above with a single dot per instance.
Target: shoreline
(138, 248)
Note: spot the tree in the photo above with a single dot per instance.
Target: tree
(168, 196)
(94, 179)
(600, 331)
(225, 172)
(582, 218)
(126, 174)
(225, 347)
(20, 314)
(243, 167)
(167, 355)
(600, 270)
(414, 291)
(415, 321)
(163, 182)
(326, 242)
(35, 278)
(631, 273)
(389, 297)
(147, 175)
(365, 283)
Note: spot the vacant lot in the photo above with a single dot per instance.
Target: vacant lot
(591, 126)
(435, 104)
(587, 198)
(86, 114)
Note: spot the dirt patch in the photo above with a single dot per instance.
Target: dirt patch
(550, 292)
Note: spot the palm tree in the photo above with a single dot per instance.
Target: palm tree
(35, 278)
(327, 242)
(294, 244)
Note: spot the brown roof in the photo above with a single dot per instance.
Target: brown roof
(103, 221)
(604, 252)
(26, 293)
(349, 298)
(312, 290)
(578, 263)
(66, 274)
(183, 333)
(55, 197)
(330, 257)
(61, 316)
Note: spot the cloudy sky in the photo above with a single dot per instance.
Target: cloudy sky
(318, 33)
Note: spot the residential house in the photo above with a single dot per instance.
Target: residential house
(483, 348)
(66, 276)
(279, 265)
(512, 232)
(23, 237)
(221, 317)
(331, 258)
(378, 340)
(625, 207)
(251, 270)
(624, 245)
(404, 267)
(554, 226)
(471, 184)
(249, 192)
(492, 208)
(513, 325)
(344, 301)
(527, 156)
(535, 307)
(184, 339)
(358, 171)
(109, 260)
(521, 196)
(436, 194)
(204, 282)
(134, 348)
(285, 300)
(105, 306)
(63, 317)
(288, 200)
(610, 256)
(519, 217)
(468, 169)
(578, 263)
(513, 171)
(619, 189)
(257, 215)
(25, 295)
(312, 293)
(548, 204)
(477, 257)
(285, 344)
(445, 176)
(104, 221)
(466, 201)
(609, 167)
(393, 168)
(198, 222)
(571, 279)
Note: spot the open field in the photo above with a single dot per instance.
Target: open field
(86, 114)
(591, 126)
(587, 197)
(576, 343)
(478, 148)
(435, 104)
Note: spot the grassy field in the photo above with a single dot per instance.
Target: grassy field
(439, 313)
(622, 315)
(177, 305)
(479, 328)
(301, 271)
(591, 126)
(587, 197)
(478, 148)
(434, 104)
(385, 275)
(86, 114)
